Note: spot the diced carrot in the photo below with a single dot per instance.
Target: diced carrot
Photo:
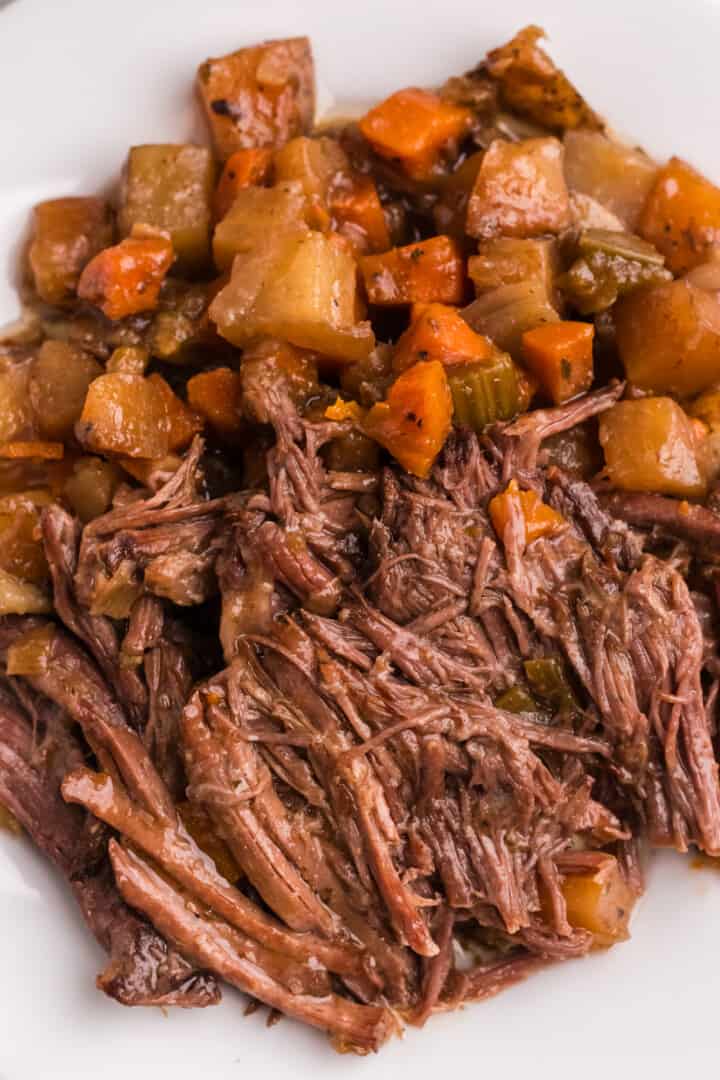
(681, 216)
(242, 169)
(440, 333)
(429, 271)
(183, 423)
(600, 901)
(344, 410)
(413, 127)
(126, 279)
(415, 418)
(538, 518)
(561, 356)
(357, 209)
(216, 395)
(48, 451)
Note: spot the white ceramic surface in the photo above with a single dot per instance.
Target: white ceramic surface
(80, 80)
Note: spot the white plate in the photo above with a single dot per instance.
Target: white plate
(81, 80)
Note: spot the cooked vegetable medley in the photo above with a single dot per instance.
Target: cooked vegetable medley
(360, 542)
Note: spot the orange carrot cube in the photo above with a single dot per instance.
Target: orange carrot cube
(216, 395)
(415, 419)
(126, 279)
(244, 168)
(429, 271)
(535, 516)
(439, 332)
(561, 356)
(358, 213)
(681, 216)
(413, 127)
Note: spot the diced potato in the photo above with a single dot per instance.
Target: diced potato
(314, 164)
(31, 652)
(128, 360)
(440, 333)
(509, 261)
(358, 214)
(125, 414)
(668, 336)
(22, 597)
(170, 187)
(505, 313)
(91, 487)
(301, 289)
(537, 518)
(38, 449)
(259, 217)
(66, 235)
(126, 279)
(217, 396)
(561, 356)
(21, 548)
(426, 272)
(415, 419)
(182, 422)
(243, 169)
(16, 414)
(60, 376)
(531, 84)
(682, 216)
(618, 177)
(520, 190)
(650, 445)
(600, 901)
(413, 127)
(260, 96)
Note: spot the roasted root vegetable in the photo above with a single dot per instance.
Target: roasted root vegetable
(90, 488)
(415, 418)
(681, 216)
(17, 418)
(531, 85)
(217, 396)
(259, 217)
(134, 416)
(315, 165)
(439, 332)
(599, 899)
(243, 169)
(650, 444)
(129, 360)
(561, 356)
(485, 391)
(509, 261)
(59, 379)
(260, 96)
(21, 548)
(66, 235)
(617, 177)
(357, 213)
(519, 190)
(413, 127)
(525, 510)
(549, 683)
(126, 279)
(302, 289)
(505, 313)
(170, 187)
(668, 337)
(40, 449)
(426, 272)
(609, 265)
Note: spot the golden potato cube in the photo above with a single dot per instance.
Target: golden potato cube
(124, 414)
(507, 261)
(16, 414)
(256, 218)
(650, 445)
(66, 235)
(170, 187)
(59, 380)
(618, 177)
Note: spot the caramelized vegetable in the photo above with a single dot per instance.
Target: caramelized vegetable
(59, 379)
(358, 214)
(242, 169)
(485, 391)
(259, 217)
(31, 652)
(520, 190)
(90, 488)
(66, 235)
(415, 418)
(525, 508)
(505, 313)
(129, 360)
(414, 127)
(32, 448)
(616, 176)
(314, 164)
(650, 445)
(668, 337)
(21, 548)
(682, 216)
(302, 290)
(439, 332)
(548, 681)
(126, 279)
(509, 261)
(531, 84)
(600, 900)
(561, 356)
(170, 188)
(16, 413)
(22, 597)
(610, 264)
(429, 271)
(133, 416)
(517, 700)
(258, 97)
(217, 395)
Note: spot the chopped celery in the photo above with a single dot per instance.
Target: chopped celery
(548, 680)
(484, 392)
(610, 264)
(626, 245)
(516, 700)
